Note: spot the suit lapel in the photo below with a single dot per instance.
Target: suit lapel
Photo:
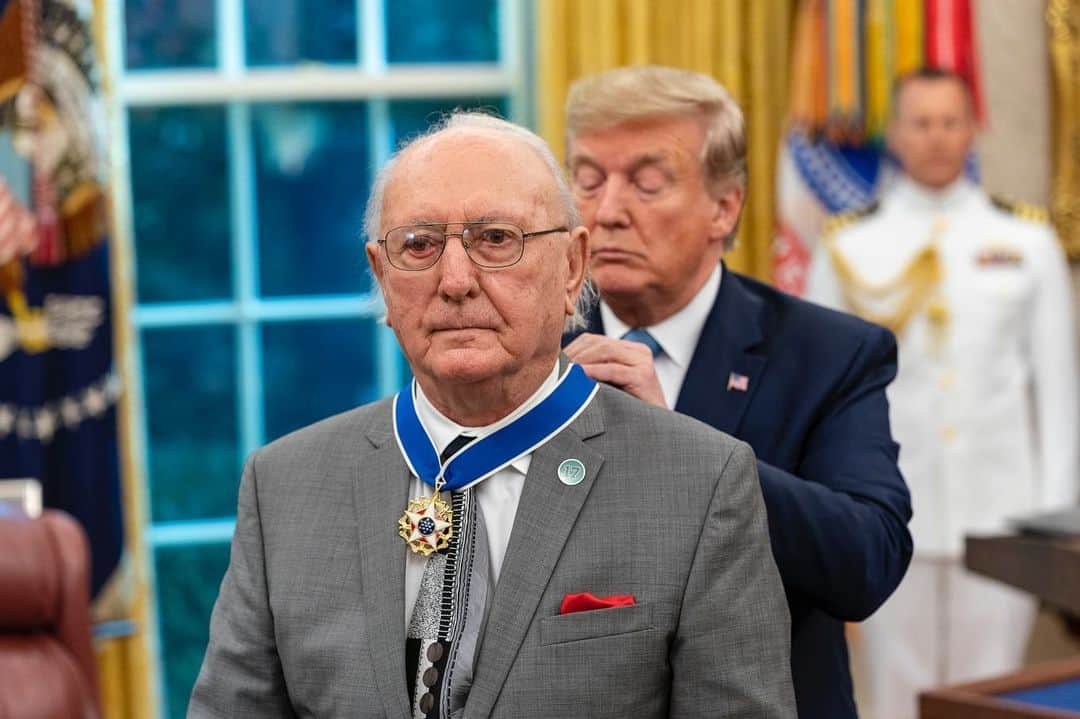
(724, 359)
(724, 355)
(545, 516)
(381, 491)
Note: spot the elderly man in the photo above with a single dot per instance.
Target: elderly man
(986, 402)
(504, 537)
(657, 158)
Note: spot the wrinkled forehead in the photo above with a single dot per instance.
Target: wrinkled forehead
(469, 175)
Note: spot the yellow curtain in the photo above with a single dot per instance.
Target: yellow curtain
(1063, 23)
(744, 44)
(125, 658)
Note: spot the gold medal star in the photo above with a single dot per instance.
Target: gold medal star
(425, 526)
(426, 531)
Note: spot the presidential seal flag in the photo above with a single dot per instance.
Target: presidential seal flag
(58, 389)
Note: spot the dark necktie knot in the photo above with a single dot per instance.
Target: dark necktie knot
(642, 336)
(455, 444)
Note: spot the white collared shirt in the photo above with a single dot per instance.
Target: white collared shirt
(677, 335)
(954, 197)
(497, 495)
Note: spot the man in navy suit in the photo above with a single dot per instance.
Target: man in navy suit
(657, 158)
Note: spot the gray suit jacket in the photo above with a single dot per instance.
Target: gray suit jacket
(310, 621)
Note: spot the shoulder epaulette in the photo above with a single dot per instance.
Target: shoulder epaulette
(1023, 210)
(841, 220)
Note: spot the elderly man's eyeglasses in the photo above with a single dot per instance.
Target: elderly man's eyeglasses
(488, 244)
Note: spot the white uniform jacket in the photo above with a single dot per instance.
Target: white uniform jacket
(985, 403)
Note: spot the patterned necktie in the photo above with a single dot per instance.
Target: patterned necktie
(643, 337)
(448, 618)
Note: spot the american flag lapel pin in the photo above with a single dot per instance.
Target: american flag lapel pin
(738, 382)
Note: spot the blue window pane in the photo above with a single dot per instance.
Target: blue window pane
(169, 33)
(179, 173)
(280, 32)
(188, 579)
(409, 118)
(432, 31)
(312, 182)
(312, 370)
(190, 392)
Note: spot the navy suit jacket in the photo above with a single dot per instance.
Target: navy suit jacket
(816, 415)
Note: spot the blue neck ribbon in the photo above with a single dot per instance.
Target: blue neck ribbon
(487, 455)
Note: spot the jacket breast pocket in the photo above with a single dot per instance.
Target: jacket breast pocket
(595, 623)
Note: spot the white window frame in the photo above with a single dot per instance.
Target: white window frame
(233, 86)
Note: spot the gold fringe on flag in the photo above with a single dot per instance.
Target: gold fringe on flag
(1063, 24)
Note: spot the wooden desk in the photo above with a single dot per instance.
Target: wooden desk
(980, 700)
(1047, 568)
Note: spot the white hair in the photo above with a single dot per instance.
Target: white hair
(479, 122)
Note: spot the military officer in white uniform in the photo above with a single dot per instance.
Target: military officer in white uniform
(985, 404)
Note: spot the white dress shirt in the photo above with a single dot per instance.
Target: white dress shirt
(497, 495)
(677, 335)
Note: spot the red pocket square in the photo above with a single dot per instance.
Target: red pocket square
(584, 602)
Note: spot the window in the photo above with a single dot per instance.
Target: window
(251, 130)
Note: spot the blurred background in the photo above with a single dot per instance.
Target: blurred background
(218, 156)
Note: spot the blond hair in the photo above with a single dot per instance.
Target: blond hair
(599, 102)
